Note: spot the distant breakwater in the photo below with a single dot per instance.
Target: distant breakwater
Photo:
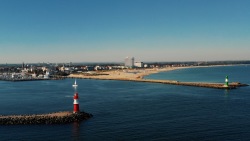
(53, 118)
(232, 85)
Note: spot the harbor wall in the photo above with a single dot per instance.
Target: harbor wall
(55, 118)
(232, 85)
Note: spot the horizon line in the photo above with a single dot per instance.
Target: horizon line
(118, 62)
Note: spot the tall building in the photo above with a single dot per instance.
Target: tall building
(129, 62)
(23, 66)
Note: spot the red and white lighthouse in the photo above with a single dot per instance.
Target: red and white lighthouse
(76, 104)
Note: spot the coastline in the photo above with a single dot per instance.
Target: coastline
(138, 76)
(131, 74)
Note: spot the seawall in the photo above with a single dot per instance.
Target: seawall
(196, 84)
(232, 85)
(52, 118)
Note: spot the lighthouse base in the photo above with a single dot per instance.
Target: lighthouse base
(76, 108)
(225, 86)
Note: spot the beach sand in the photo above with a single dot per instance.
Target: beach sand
(129, 74)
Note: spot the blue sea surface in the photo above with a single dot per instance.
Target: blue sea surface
(134, 110)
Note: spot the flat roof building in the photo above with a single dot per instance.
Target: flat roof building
(129, 62)
(139, 64)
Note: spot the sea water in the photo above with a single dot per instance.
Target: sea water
(134, 110)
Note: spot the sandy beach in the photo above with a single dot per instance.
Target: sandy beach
(138, 74)
(129, 74)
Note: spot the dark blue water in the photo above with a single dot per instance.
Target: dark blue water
(133, 110)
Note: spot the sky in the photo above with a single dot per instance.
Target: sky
(59, 31)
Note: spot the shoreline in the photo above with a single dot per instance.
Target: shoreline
(138, 76)
(131, 74)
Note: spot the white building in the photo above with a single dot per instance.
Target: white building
(129, 62)
(138, 64)
(47, 75)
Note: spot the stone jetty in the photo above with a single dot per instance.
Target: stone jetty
(52, 118)
(232, 85)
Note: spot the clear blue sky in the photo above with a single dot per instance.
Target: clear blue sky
(109, 30)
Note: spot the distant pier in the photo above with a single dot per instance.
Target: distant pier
(232, 85)
(52, 118)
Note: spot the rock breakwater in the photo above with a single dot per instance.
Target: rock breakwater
(232, 85)
(52, 118)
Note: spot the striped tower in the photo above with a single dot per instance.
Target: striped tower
(76, 104)
(226, 82)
